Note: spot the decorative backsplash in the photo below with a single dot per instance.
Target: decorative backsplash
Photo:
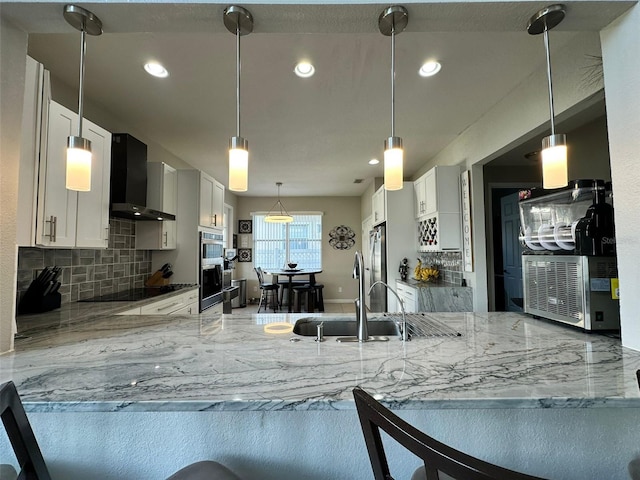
(449, 264)
(87, 273)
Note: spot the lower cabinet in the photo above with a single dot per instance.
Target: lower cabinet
(409, 297)
(184, 304)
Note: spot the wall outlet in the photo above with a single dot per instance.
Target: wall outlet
(339, 289)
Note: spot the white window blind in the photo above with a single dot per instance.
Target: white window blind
(276, 244)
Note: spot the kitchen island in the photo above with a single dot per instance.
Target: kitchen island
(528, 394)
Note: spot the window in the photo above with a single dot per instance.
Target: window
(275, 244)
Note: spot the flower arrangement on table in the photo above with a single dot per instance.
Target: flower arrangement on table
(425, 274)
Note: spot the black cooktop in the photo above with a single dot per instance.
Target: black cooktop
(135, 294)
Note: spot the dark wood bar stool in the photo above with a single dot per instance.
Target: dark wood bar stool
(318, 297)
(304, 293)
(268, 292)
(31, 461)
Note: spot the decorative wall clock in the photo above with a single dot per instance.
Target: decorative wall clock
(245, 226)
(342, 237)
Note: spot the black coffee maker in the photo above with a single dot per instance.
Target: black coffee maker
(595, 232)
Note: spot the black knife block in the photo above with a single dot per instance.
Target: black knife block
(33, 301)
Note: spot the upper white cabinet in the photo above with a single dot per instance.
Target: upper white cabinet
(67, 218)
(438, 190)
(437, 209)
(378, 205)
(211, 202)
(162, 195)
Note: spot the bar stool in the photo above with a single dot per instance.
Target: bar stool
(268, 291)
(306, 291)
(284, 289)
(318, 298)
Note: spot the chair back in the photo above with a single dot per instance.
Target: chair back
(21, 435)
(260, 275)
(437, 457)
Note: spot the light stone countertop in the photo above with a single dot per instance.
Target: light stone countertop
(232, 362)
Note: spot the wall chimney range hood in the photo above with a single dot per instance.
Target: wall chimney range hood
(129, 180)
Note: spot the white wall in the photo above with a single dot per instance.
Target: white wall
(621, 55)
(13, 51)
(567, 444)
(337, 265)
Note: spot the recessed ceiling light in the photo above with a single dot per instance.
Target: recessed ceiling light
(156, 69)
(429, 69)
(304, 70)
(374, 161)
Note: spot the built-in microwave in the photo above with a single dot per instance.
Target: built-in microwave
(211, 267)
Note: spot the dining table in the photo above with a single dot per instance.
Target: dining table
(290, 273)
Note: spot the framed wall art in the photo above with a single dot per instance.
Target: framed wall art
(342, 237)
(244, 255)
(245, 226)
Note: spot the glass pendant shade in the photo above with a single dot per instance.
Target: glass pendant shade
(78, 169)
(78, 176)
(238, 164)
(393, 159)
(554, 162)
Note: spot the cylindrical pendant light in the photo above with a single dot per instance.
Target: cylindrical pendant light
(239, 22)
(78, 171)
(392, 21)
(554, 147)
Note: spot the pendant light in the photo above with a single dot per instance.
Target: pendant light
(554, 147)
(392, 21)
(78, 176)
(238, 21)
(278, 214)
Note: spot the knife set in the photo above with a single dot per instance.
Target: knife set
(42, 295)
(161, 277)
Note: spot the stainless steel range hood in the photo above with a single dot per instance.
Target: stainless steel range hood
(129, 180)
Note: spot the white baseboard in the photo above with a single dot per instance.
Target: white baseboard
(338, 300)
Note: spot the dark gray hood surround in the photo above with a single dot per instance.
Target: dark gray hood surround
(129, 180)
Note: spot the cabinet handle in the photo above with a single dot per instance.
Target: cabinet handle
(215, 220)
(107, 229)
(166, 241)
(52, 228)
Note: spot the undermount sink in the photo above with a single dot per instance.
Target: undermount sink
(343, 327)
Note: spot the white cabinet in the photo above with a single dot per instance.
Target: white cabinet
(437, 209)
(211, 202)
(182, 304)
(409, 296)
(378, 204)
(67, 218)
(162, 195)
(438, 190)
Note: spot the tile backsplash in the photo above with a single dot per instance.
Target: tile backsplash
(87, 273)
(449, 264)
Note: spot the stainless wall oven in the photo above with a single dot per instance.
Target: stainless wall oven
(211, 267)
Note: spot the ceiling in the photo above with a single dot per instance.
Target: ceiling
(315, 135)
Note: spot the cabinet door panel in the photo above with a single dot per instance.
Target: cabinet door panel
(92, 228)
(57, 206)
(206, 196)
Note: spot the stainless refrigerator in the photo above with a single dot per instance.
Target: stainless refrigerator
(378, 268)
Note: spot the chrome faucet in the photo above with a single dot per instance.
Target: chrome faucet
(403, 328)
(361, 308)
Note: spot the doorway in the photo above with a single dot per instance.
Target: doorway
(507, 251)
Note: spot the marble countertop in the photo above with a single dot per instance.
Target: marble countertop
(247, 362)
(77, 312)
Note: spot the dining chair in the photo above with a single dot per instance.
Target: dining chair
(268, 291)
(438, 458)
(31, 462)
